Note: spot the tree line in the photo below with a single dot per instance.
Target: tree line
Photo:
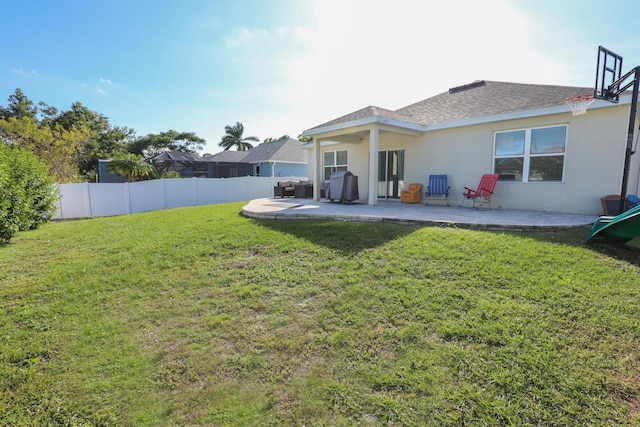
(71, 141)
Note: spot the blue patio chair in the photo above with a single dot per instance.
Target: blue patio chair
(437, 189)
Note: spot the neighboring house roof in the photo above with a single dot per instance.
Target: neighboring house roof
(228, 156)
(175, 156)
(481, 98)
(284, 150)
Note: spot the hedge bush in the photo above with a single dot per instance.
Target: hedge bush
(28, 195)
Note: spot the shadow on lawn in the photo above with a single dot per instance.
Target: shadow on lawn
(629, 252)
(351, 237)
(346, 237)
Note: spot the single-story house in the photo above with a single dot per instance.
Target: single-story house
(228, 164)
(550, 159)
(283, 157)
(188, 165)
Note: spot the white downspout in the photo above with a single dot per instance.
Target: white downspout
(317, 179)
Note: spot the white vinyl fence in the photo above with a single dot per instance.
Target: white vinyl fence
(90, 200)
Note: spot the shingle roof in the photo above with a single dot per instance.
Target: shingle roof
(286, 150)
(175, 156)
(370, 111)
(481, 98)
(488, 98)
(228, 156)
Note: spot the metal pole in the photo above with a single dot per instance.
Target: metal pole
(629, 148)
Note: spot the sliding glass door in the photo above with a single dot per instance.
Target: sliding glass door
(390, 174)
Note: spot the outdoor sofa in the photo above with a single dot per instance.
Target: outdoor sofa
(300, 189)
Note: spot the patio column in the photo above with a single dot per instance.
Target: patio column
(373, 165)
(317, 173)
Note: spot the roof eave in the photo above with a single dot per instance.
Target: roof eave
(310, 145)
(364, 121)
(557, 109)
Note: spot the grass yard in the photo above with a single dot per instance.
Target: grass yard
(200, 316)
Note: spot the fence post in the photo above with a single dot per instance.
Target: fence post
(127, 198)
(87, 199)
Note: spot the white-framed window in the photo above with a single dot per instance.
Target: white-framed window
(530, 155)
(334, 161)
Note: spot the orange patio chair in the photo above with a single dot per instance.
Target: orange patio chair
(484, 192)
(412, 194)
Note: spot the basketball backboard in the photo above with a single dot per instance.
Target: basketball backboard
(608, 72)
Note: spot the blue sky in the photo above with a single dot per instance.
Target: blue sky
(284, 66)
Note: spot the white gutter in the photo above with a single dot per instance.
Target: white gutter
(365, 121)
(309, 145)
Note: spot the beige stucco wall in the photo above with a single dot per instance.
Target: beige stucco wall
(593, 163)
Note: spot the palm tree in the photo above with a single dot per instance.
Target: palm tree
(130, 166)
(234, 138)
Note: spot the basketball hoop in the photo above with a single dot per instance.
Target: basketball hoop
(579, 104)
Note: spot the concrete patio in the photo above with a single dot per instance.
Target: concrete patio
(403, 213)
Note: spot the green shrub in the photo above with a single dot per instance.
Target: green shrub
(171, 175)
(28, 194)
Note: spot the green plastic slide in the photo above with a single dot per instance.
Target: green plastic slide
(620, 228)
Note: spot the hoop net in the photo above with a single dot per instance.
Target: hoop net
(579, 104)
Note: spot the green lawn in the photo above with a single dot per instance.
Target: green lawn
(200, 316)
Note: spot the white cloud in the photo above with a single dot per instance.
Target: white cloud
(262, 36)
(245, 36)
(105, 85)
(22, 72)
